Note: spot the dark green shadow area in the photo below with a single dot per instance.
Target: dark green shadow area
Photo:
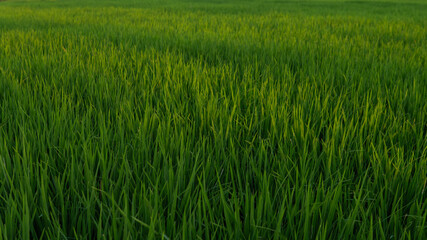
(389, 9)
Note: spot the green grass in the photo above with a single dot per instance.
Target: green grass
(213, 119)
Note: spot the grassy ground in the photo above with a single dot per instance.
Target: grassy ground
(213, 119)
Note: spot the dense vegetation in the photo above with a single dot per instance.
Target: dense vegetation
(209, 120)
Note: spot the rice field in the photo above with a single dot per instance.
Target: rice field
(196, 119)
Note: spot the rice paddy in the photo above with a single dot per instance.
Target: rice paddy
(213, 119)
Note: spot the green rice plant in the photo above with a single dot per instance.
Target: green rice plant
(211, 120)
